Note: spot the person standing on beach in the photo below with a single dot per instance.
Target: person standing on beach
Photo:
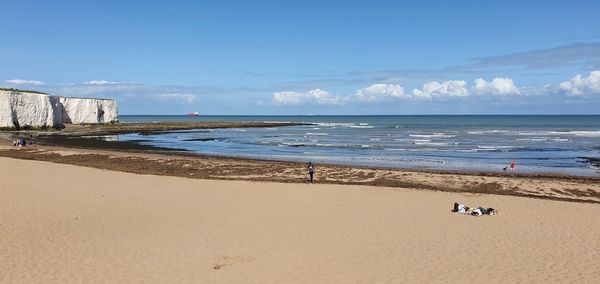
(513, 165)
(311, 171)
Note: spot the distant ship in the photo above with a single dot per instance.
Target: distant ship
(193, 114)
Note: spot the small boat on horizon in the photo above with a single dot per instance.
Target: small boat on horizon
(193, 114)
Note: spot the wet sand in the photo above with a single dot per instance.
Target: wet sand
(117, 156)
(70, 224)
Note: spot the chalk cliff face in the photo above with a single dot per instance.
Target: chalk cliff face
(19, 109)
(81, 110)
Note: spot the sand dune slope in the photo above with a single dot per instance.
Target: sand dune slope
(61, 223)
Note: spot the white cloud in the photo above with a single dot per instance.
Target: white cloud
(390, 92)
(87, 89)
(24, 82)
(582, 86)
(177, 97)
(498, 86)
(317, 96)
(100, 82)
(453, 88)
(380, 92)
(416, 93)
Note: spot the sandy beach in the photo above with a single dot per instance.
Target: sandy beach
(63, 223)
(300, 142)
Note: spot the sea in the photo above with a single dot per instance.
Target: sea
(478, 143)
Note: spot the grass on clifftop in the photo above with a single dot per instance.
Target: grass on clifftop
(21, 91)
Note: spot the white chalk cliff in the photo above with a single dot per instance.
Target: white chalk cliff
(81, 110)
(21, 109)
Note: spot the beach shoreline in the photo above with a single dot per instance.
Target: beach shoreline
(265, 140)
(89, 137)
(128, 157)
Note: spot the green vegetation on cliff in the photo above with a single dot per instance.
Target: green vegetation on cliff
(21, 91)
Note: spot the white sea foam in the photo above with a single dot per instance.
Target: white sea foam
(494, 148)
(432, 143)
(423, 149)
(532, 133)
(361, 126)
(327, 145)
(494, 131)
(433, 135)
(334, 124)
(317, 133)
(583, 133)
(533, 139)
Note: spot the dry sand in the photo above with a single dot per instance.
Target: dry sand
(62, 223)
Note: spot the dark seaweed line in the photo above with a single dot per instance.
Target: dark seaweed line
(141, 165)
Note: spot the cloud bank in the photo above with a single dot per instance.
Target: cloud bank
(24, 82)
(380, 92)
(315, 96)
(101, 82)
(453, 88)
(377, 93)
(581, 86)
(498, 86)
(451, 94)
(444, 90)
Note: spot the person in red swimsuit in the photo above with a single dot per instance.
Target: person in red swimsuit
(513, 165)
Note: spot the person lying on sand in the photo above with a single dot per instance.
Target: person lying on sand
(460, 208)
(482, 210)
(463, 209)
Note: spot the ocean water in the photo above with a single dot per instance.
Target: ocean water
(539, 144)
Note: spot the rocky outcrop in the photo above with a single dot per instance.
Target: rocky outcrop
(23, 109)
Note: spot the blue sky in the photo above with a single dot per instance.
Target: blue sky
(309, 57)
